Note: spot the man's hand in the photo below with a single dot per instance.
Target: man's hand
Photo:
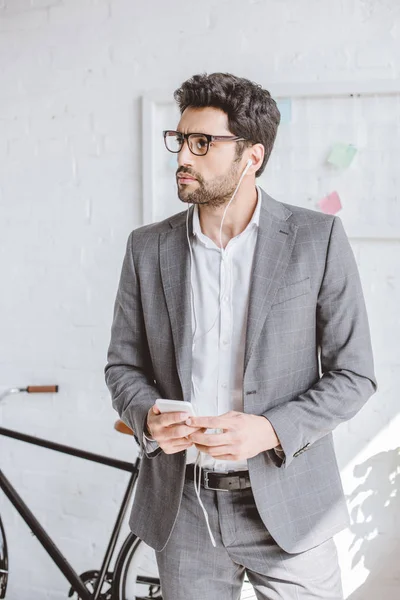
(169, 430)
(243, 435)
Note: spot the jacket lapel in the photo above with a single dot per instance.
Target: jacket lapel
(175, 275)
(275, 242)
(274, 246)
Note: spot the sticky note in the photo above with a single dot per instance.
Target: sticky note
(330, 204)
(285, 108)
(342, 155)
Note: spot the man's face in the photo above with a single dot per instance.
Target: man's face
(210, 179)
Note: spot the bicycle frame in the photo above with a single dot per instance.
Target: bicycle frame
(47, 543)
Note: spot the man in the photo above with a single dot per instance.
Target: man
(252, 310)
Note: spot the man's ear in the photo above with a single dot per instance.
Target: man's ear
(257, 154)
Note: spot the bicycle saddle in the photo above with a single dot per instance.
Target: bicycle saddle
(122, 427)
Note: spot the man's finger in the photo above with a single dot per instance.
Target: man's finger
(179, 431)
(173, 449)
(217, 451)
(209, 439)
(179, 444)
(208, 422)
(172, 418)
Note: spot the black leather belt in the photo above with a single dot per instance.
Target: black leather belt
(225, 482)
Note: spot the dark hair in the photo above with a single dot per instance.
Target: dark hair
(252, 113)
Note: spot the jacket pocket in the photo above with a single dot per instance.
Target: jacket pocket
(293, 290)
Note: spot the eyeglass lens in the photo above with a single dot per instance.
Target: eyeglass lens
(198, 144)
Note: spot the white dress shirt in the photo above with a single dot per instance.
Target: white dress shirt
(221, 288)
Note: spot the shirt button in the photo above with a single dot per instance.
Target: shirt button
(225, 342)
(224, 385)
(226, 298)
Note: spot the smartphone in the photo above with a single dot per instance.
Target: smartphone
(175, 406)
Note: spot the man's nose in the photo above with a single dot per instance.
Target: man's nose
(185, 157)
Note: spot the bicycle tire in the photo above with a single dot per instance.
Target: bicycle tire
(3, 562)
(135, 573)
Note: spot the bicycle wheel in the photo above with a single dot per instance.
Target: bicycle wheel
(136, 572)
(3, 562)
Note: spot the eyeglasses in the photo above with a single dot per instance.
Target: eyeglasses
(198, 143)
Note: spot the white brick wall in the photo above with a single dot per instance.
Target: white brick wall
(71, 76)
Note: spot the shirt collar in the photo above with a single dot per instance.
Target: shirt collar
(253, 223)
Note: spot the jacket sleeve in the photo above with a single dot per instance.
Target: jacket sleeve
(347, 379)
(128, 372)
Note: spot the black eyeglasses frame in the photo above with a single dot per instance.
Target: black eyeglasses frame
(210, 138)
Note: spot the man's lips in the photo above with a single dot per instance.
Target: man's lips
(185, 178)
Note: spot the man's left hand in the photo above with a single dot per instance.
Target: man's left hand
(243, 435)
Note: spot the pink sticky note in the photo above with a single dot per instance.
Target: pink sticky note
(330, 204)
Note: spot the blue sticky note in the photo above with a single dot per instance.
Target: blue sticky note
(285, 108)
(172, 162)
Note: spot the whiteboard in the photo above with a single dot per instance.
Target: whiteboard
(365, 115)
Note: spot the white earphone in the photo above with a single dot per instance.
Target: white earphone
(247, 167)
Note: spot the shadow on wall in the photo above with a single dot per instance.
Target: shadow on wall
(375, 504)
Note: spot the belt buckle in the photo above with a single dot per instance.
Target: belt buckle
(207, 486)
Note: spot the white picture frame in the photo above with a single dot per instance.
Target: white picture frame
(159, 106)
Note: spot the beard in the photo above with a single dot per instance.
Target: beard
(213, 193)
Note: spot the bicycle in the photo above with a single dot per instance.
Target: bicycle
(134, 575)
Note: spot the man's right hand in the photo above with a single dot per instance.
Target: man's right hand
(169, 431)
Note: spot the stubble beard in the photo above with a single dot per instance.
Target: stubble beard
(214, 194)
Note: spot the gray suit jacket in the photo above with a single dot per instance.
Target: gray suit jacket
(308, 365)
